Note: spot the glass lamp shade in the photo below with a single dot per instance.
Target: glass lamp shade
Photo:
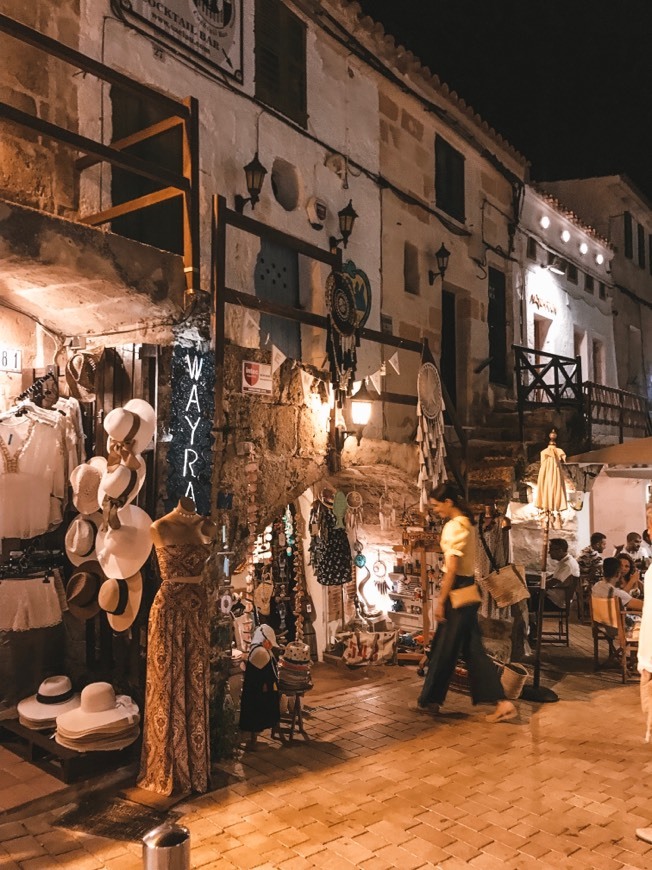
(347, 217)
(442, 257)
(255, 174)
(361, 407)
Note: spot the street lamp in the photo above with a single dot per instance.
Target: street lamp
(346, 217)
(442, 256)
(255, 174)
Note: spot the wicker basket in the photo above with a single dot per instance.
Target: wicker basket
(513, 677)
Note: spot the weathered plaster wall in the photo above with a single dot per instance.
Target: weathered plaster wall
(618, 508)
(36, 171)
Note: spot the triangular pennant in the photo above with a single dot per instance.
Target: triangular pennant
(393, 361)
(375, 380)
(306, 382)
(278, 358)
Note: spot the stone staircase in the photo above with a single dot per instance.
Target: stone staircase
(496, 458)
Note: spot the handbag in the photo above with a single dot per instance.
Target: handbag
(506, 585)
(465, 596)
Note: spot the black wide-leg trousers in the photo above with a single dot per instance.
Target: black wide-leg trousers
(459, 637)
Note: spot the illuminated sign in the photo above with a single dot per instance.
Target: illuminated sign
(210, 30)
(192, 405)
(542, 304)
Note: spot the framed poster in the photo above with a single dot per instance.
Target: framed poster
(208, 30)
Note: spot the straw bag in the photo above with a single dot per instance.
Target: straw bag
(506, 585)
(465, 596)
(512, 679)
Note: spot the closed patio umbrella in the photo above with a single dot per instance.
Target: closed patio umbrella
(551, 501)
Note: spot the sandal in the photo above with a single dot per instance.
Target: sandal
(502, 715)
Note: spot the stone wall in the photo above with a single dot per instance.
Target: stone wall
(36, 171)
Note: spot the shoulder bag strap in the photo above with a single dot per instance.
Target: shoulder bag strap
(490, 556)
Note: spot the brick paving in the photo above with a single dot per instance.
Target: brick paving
(382, 786)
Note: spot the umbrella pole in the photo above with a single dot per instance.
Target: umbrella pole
(536, 692)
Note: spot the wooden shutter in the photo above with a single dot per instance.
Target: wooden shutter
(627, 227)
(641, 246)
(281, 59)
(449, 179)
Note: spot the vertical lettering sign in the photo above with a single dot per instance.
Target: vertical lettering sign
(192, 407)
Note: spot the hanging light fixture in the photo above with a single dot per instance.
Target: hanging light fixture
(361, 408)
(255, 174)
(346, 217)
(557, 265)
(442, 256)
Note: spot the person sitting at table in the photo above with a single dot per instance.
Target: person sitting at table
(629, 577)
(607, 588)
(635, 548)
(565, 574)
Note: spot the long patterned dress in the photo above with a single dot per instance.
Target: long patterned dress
(175, 755)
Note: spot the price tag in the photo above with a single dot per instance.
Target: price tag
(11, 359)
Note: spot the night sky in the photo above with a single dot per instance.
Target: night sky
(567, 82)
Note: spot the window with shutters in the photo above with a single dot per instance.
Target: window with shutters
(627, 229)
(281, 59)
(571, 273)
(641, 246)
(589, 284)
(449, 179)
(411, 269)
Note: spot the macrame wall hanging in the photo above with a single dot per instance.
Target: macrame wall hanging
(430, 426)
(342, 336)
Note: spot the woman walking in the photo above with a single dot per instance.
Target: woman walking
(457, 616)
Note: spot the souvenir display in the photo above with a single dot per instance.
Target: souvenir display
(430, 427)
(342, 333)
(330, 551)
(102, 721)
(55, 695)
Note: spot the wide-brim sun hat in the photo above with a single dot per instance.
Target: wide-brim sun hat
(120, 600)
(83, 589)
(122, 552)
(98, 708)
(132, 425)
(85, 481)
(80, 538)
(55, 696)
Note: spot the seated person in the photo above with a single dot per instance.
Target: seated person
(566, 573)
(635, 548)
(629, 577)
(607, 588)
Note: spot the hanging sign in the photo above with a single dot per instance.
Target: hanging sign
(209, 30)
(257, 378)
(192, 404)
(11, 359)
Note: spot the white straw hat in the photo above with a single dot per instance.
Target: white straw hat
(133, 425)
(85, 480)
(121, 484)
(98, 708)
(120, 600)
(122, 552)
(54, 696)
(80, 538)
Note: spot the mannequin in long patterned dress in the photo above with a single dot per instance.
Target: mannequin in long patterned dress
(175, 756)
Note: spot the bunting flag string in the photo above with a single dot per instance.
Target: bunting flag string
(393, 361)
(306, 382)
(278, 358)
(375, 380)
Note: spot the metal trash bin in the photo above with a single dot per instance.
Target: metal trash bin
(167, 848)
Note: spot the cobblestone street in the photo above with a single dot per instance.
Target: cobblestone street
(380, 786)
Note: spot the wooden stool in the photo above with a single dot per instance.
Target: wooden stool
(293, 719)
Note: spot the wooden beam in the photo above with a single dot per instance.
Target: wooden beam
(256, 228)
(88, 64)
(248, 300)
(141, 136)
(149, 199)
(103, 152)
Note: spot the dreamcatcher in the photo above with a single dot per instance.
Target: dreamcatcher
(342, 333)
(430, 427)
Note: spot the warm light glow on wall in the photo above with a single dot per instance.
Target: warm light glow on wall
(545, 222)
(565, 236)
(599, 259)
(584, 248)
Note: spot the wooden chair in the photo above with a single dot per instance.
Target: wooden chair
(608, 623)
(560, 634)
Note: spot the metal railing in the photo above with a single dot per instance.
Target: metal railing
(618, 409)
(170, 184)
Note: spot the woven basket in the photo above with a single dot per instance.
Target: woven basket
(513, 677)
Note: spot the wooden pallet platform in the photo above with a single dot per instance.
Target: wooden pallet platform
(40, 748)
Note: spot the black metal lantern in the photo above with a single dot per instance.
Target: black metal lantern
(346, 217)
(255, 174)
(442, 256)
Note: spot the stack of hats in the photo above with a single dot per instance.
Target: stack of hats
(294, 669)
(102, 721)
(54, 696)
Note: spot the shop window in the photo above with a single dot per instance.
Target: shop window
(280, 39)
(589, 284)
(627, 230)
(449, 179)
(411, 269)
(160, 225)
(641, 246)
(531, 248)
(571, 273)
